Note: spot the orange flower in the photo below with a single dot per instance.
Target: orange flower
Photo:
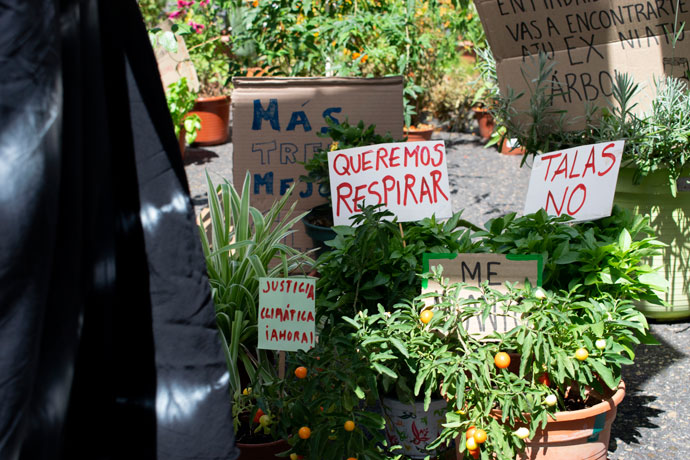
(355, 55)
(364, 58)
(255, 3)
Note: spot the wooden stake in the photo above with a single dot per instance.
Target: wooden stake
(281, 364)
(402, 234)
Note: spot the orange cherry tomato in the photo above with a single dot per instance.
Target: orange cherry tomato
(301, 372)
(502, 360)
(304, 432)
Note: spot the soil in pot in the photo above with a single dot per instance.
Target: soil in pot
(257, 446)
(317, 225)
(421, 132)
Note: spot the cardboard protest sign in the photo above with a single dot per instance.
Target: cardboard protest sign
(588, 40)
(496, 269)
(580, 181)
(411, 178)
(286, 314)
(175, 65)
(276, 122)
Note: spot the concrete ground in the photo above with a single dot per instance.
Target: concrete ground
(653, 421)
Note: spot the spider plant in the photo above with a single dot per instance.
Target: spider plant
(246, 245)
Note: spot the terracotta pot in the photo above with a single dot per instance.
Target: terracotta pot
(507, 149)
(574, 435)
(485, 121)
(265, 451)
(215, 119)
(416, 135)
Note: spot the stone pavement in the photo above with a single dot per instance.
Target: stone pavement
(653, 420)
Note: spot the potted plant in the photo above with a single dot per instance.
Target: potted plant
(325, 406)
(244, 242)
(654, 160)
(418, 132)
(180, 102)
(600, 260)
(205, 27)
(343, 135)
(568, 353)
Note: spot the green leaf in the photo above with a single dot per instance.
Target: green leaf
(605, 374)
(624, 240)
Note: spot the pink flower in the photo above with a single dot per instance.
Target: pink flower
(198, 28)
(184, 3)
(204, 2)
(175, 14)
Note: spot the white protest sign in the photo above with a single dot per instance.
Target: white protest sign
(286, 313)
(411, 178)
(580, 181)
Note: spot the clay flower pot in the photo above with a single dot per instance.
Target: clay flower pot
(578, 434)
(507, 148)
(263, 451)
(215, 119)
(181, 141)
(485, 121)
(418, 133)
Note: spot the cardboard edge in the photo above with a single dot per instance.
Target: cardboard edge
(256, 82)
(427, 256)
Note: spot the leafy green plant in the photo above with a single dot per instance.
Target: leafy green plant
(440, 357)
(243, 246)
(343, 136)
(338, 387)
(603, 257)
(378, 260)
(180, 102)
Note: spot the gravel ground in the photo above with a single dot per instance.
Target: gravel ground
(653, 421)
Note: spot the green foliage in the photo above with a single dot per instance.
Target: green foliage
(343, 136)
(339, 387)
(243, 244)
(180, 103)
(375, 262)
(599, 258)
(443, 357)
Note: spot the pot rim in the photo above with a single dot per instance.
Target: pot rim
(261, 444)
(211, 98)
(604, 406)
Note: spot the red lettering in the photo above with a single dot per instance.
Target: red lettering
(436, 179)
(562, 168)
(438, 148)
(424, 190)
(267, 288)
(584, 197)
(412, 154)
(409, 183)
(374, 192)
(589, 164)
(570, 176)
(289, 282)
(358, 197)
(381, 158)
(394, 158)
(342, 172)
(342, 197)
(310, 317)
(366, 164)
(553, 200)
(389, 180)
(352, 163)
(608, 155)
(425, 159)
(548, 167)
(274, 335)
(310, 294)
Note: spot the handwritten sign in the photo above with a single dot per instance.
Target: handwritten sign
(278, 124)
(588, 40)
(580, 181)
(496, 270)
(286, 314)
(410, 178)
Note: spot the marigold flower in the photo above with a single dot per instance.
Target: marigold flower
(255, 3)
(364, 58)
(355, 55)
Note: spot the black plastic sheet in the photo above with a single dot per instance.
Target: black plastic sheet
(108, 345)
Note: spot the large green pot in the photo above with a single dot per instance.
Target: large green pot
(671, 221)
